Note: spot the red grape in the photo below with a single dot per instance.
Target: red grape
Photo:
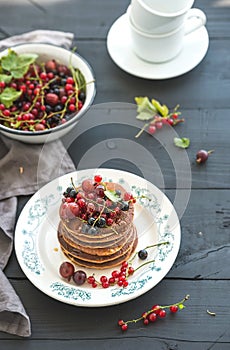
(66, 270)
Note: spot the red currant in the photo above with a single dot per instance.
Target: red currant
(131, 270)
(70, 80)
(81, 202)
(68, 87)
(162, 313)
(109, 222)
(158, 125)
(115, 274)
(72, 107)
(152, 317)
(128, 196)
(170, 121)
(97, 178)
(174, 308)
(152, 129)
(43, 76)
(125, 283)
(6, 112)
(91, 279)
(125, 264)
(103, 279)
(120, 322)
(105, 284)
(124, 327)
(79, 105)
(111, 280)
(156, 309)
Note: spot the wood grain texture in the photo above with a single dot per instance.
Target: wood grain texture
(50, 321)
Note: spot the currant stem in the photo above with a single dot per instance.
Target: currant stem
(150, 246)
(146, 263)
(142, 130)
(176, 304)
(161, 307)
(177, 121)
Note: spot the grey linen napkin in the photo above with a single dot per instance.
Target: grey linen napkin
(19, 175)
(40, 36)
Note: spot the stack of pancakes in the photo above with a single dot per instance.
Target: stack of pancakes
(107, 247)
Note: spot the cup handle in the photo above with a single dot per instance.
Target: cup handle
(196, 18)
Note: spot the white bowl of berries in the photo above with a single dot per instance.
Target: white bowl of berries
(44, 91)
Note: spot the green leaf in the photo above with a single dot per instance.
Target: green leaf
(19, 72)
(6, 78)
(112, 196)
(145, 110)
(9, 95)
(162, 109)
(26, 59)
(80, 80)
(9, 61)
(18, 65)
(184, 142)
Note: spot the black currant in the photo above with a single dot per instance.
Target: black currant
(91, 221)
(142, 254)
(92, 231)
(101, 222)
(124, 206)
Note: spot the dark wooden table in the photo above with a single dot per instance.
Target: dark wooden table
(202, 266)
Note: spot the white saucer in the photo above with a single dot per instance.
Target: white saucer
(118, 45)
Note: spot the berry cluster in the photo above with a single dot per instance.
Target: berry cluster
(67, 271)
(154, 313)
(49, 95)
(158, 122)
(155, 115)
(117, 277)
(94, 204)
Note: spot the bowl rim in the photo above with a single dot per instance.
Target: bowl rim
(57, 128)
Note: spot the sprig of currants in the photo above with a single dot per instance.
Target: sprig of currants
(154, 313)
(117, 277)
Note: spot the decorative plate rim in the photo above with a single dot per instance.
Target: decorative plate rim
(42, 209)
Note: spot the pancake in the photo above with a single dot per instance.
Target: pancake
(96, 228)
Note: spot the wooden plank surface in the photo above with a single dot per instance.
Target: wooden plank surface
(54, 320)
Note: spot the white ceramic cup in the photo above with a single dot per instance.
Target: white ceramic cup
(163, 47)
(159, 16)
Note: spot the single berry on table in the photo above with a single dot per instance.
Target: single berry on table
(202, 155)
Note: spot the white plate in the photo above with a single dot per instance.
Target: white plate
(39, 254)
(118, 45)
